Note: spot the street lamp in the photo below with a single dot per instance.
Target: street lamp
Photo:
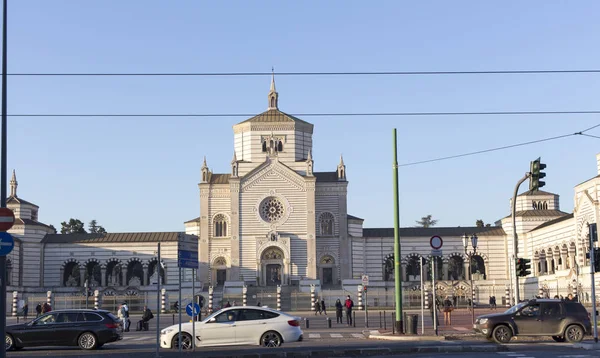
(470, 255)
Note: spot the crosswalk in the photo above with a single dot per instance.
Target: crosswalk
(147, 338)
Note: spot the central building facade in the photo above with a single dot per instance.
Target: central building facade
(272, 220)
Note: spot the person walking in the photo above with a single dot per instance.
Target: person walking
(323, 309)
(448, 308)
(349, 304)
(38, 310)
(125, 315)
(317, 307)
(338, 311)
(25, 310)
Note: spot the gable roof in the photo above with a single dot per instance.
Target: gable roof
(17, 200)
(536, 192)
(326, 176)
(273, 116)
(112, 237)
(431, 231)
(538, 213)
(352, 217)
(220, 178)
(29, 222)
(193, 220)
(552, 222)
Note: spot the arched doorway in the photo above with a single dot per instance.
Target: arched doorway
(272, 267)
(327, 270)
(219, 271)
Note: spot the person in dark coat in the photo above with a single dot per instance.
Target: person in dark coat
(38, 310)
(317, 307)
(349, 304)
(338, 311)
(147, 316)
(323, 309)
(25, 310)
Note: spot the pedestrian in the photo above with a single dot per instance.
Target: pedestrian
(38, 310)
(227, 305)
(176, 306)
(146, 316)
(470, 304)
(323, 306)
(25, 310)
(234, 304)
(338, 311)
(121, 314)
(349, 304)
(127, 322)
(258, 304)
(494, 302)
(317, 307)
(448, 308)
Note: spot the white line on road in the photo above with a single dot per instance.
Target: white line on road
(336, 335)
(460, 328)
(358, 335)
(141, 338)
(314, 335)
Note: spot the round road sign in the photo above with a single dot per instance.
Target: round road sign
(7, 219)
(436, 242)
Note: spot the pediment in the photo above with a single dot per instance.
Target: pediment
(272, 168)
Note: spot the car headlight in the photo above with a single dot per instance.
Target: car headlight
(166, 331)
(483, 320)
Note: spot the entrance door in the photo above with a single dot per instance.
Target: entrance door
(327, 275)
(221, 277)
(273, 275)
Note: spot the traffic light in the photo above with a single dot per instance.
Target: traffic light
(365, 288)
(536, 168)
(593, 232)
(523, 267)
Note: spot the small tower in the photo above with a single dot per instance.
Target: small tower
(273, 95)
(13, 185)
(234, 166)
(205, 172)
(341, 169)
(309, 164)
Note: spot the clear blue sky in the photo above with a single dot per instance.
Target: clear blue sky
(141, 174)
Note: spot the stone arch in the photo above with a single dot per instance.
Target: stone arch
(412, 267)
(274, 264)
(478, 267)
(71, 273)
(456, 266)
(93, 272)
(114, 272)
(388, 267)
(326, 223)
(220, 260)
(327, 269)
(135, 272)
(221, 224)
(151, 265)
(220, 265)
(270, 244)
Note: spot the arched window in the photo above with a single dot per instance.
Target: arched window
(326, 220)
(272, 102)
(413, 268)
(280, 146)
(388, 269)
(545, 205)
(114, 275)
(264, 146)
(152, 274)
(478, 266)
(93, 274)
(456, 268)
(534, 205)
(220, 224)
(71, 275)
(135, 273)
(439, 268)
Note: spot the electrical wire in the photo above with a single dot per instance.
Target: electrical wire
(359, 73)
(366, 114)
(582, 133)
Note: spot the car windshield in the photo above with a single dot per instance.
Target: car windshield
(516, 308)
(211, 316)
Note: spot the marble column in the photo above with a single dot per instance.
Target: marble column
(146, 279)
(124, 282)
(82, 275)
(445, 271)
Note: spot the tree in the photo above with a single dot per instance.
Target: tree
(479, 223)
(95, 228)
(426, 221)
(74, 226)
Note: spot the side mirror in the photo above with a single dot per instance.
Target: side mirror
(212, 320)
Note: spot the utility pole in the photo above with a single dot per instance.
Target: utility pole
(3, 177)
(593, 233)
(158, 303)
(397, 266)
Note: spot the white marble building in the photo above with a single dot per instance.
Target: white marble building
(273, 220)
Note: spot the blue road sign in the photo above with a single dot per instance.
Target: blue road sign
(188, 309)
(183, 263)
(6, 243)
(187, 255)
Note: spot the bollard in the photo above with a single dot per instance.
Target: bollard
(393, 322)
(307, 323)
(367, 319)
(173, 318)
(384, 322)
(379, 319)
(354, 318)
(329, 322)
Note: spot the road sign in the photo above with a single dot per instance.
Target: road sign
(365, 280)
(436, 242)
(436, 252)
(187, 251)
(7, 219)
(183, 263)
(187, 255)
(188, 309)
(6, 243)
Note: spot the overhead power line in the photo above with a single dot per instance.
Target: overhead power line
(349, 73)
(364, 114)
(582, 133)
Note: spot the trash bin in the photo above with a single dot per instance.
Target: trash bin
(411, 323)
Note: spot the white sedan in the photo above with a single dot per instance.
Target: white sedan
(236, 326)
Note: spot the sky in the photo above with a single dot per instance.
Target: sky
(141, 174)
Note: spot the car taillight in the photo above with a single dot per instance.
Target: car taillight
(294, 323)
(112, 325)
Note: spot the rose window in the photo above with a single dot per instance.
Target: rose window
(272, 210)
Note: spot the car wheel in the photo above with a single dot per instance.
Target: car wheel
(574, 334)
(502, 334)
(87, 341)
(9, 342)
(186, 341)
(271, 339)
(558, 338)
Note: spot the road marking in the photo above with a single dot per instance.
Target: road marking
(141, 338)
(314, 335)
(358, 335)
(461, 328)
(336, 335)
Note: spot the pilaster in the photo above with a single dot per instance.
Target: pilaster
(234, 189)
(345, 242)
(203, 254)
(311, 234)
(103, 278)
(82, 275)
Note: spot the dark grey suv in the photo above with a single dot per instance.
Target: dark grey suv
(561, 319)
